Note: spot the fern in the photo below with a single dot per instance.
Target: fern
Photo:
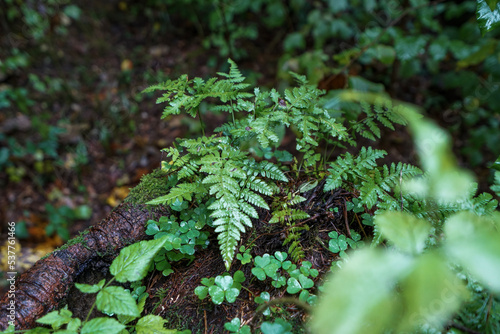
(382, 112)
(216, 167)
(350, 168)
(496, 185)
(184, 95)
(284, 214)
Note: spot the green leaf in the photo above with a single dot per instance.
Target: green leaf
(385, 54)
(403, 230)
(486, 50)
(362, 290)
(201, 292)
(279, 326)
(259, 273)
(56, 318)
(305, 282)
(86, 288)
(225, 282)
(474, 242)
(234, 325)
(239, 276)
(152, 324)
(293, 286)
(445, 181)
(217, 294)
(488, 16)
(432, 293)
(231, 294)
(116, 300)
(102, 326)
(262, 261)
(281, 256)
(492, 3)
(133, 261)
(83, 212)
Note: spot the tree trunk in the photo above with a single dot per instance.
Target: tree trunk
(40, 289)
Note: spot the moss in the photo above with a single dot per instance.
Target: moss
(76, 240)
(152, 185)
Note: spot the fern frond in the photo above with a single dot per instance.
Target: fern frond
(288, 215)
(265, 168)
(350, 168)
(496, 184)
(253, 198)
(183, 191)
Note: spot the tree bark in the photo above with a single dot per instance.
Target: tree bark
(40, 289)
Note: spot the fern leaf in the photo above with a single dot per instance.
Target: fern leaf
(183, 191)
(253, 198)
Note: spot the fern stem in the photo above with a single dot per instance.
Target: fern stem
(202, 125)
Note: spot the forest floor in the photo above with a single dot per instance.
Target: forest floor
(105, 60)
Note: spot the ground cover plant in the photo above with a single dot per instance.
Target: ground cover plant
(293, 184)
(441, 237)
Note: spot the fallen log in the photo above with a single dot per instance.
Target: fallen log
(40, 289)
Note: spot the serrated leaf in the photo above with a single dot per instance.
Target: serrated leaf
(152, 324)
(133, 261)
(86, 288)
(116, 300)
(432, 291)
(56, 318)
(404, 230)
(474, 242)
(102, 326)
(361, 290)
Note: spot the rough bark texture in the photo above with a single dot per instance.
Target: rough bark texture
(40, 289)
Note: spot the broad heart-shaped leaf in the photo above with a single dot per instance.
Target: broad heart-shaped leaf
(102, 326)
(116, 300)
(234, 325)
(239, 276)
(152, 324)
(272, 269)
(231, 294)
(280, 326)
(306, 283)
(225, 282)
(133, 262)
(474, 242)
(488, 15)
(201, 291)
(280, 256)
(262, 261)
(259, 273)
(217, 294)
(293, 286)
(403, 230)
(360, 298)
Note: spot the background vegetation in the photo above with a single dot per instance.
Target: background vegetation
(76, 133)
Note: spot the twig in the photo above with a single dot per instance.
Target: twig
(346, 220)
